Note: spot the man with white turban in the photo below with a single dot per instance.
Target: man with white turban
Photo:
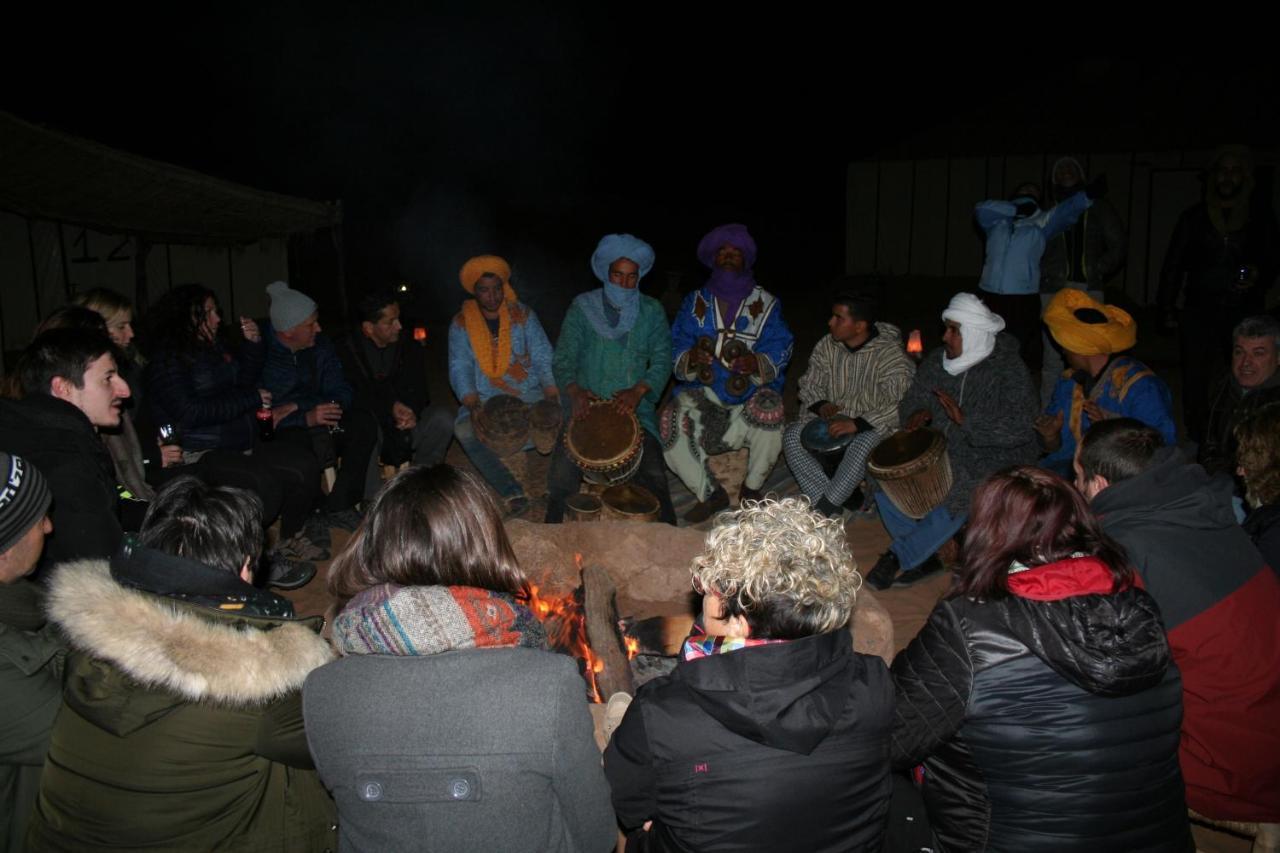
(614, 344)
(977, 392)
(1100, 382)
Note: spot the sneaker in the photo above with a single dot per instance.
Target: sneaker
(346, 519)
(317, 530)
(614, 711)
(299, 547)
(290, 574)
(885, 570)
(928, 568)
(702, 510)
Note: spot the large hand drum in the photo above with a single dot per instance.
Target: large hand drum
(503, 424)
(913, 468)
(605, 441)
(823, 446)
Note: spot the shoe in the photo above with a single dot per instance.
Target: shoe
(828, 509)
(702, 510)
(317, 530)
(746, 494)
(855, 501)
(614, 711)
(517, 505)
(345, 519)
(299, 547)
(926, 569)
(290, 574)
(885, 570)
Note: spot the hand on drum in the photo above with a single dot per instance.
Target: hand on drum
(949, 405)
(1050, 429)
(580, 397)
(828, 410)
(918, 419)
(629, 398)
(837, 427)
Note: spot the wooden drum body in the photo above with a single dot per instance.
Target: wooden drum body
(913, 468)
(629, 502)
(605, 442)
(502, 424)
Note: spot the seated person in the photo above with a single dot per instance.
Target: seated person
(1218, 599)
(1258, 464)
(614, 345)
(496, 346)
(856, 377)
(1040, 695)
(181, 725)
(771, 732)
(448, 724)
(1100, 382)
(389, 377)
(209, 391)
(1252, 383)
(976, 391)
(312, 402)
(31, 649)
(71, 389)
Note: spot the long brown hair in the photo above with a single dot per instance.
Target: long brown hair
(1258, 454)
(434, 526)
(1031, 516)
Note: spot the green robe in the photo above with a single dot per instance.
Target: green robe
(604, 366)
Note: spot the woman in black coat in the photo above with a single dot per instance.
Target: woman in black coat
(772, 732)
(1040, 697)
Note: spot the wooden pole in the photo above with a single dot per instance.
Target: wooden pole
(600, 613)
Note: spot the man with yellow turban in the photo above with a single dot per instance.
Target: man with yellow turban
(1100, 382)
(496, 346)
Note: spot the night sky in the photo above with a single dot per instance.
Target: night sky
(530, 133)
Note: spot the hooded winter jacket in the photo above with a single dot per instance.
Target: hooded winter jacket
(774, 747)
(181, 725)
(1220, 603)
(1045, 720)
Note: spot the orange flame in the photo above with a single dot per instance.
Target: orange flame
(567, 632)
(633, 646)
(420, 334)
(914, 345)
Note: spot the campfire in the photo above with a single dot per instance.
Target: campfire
(584, 623)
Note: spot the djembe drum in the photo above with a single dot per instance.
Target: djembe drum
(629, 502)
(545, 417)
(913, 468)
(605, 442)
(827, 449)
(502, 424)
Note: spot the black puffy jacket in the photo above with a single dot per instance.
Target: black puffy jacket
(774, 747)
(209, 394)
(1047, 720)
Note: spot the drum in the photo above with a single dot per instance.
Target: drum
(503, 424)
(629, 502)
(605, 442)
(582, 507)
(827, 450)
(545, 417)
(913, 468)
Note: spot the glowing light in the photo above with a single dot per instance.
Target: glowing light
(633, 646)
(914, 345)
(420, 334)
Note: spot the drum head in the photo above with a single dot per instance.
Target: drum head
(902, 447)
(505, 416)
(816, 439)
(630, 499)
(602, 434)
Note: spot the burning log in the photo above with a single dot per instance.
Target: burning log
(600, 613)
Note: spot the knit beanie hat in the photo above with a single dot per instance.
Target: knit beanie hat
(289, 307)
(24, 499)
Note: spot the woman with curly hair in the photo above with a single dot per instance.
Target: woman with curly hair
(1039, 697)
(1258, 464)
(771, 733)
(210, 392)
(447, 724)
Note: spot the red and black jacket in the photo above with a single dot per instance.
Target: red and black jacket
(1046, 720)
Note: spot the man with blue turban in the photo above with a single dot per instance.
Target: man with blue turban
(731, 349)
(614, 344)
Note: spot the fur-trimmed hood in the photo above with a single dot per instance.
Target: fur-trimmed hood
(174, 651)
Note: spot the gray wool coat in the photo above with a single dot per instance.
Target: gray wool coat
(481, 749)
(999, 405)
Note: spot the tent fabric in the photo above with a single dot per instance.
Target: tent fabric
(47, 174)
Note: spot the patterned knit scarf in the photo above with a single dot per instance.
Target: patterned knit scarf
(425, 620)
(701, 645)
(494, 357)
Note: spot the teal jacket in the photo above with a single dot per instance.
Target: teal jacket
(605, 367)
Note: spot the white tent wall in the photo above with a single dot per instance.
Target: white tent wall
(915, 217)
(37, 258)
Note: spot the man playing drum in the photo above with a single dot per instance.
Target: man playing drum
(849, 397)
(496, 346)
(614, 344)
(977, 392)
(731, 350)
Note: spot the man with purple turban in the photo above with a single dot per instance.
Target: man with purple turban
(731, 348)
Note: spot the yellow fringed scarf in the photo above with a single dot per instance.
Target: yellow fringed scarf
(493, 356)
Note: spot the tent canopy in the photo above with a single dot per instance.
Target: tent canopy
(46, 174)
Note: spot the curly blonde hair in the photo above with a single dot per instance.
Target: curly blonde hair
(785, 568)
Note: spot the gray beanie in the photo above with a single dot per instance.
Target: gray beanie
(24, 499)
(289, 307)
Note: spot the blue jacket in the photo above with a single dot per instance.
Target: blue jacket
(308, 377)
(1014, 246)
(758, 324)
(528, 374)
